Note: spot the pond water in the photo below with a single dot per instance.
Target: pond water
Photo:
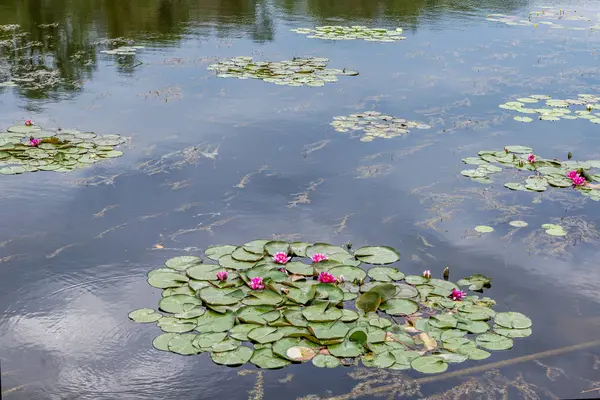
(224, 161)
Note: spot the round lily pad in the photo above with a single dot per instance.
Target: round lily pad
(492, 341)
(325, 361)
(161, 342)
(239, 356)
(429, 365)
(182, 344)
(145, 315)
(216, 252)
(377, 255)
(385, 274)
(484, 229)
(182, 262)
(518, 224)
(400, 307)
(512, 320)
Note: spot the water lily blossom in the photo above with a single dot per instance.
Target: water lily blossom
(28, 122)
(222, 276)
(579, 181)
(283, 270)
(341, 279)
(257, 283)
(427, 274)
(281, 258)
(34, 142)
(457, 295)
(326, 277)
(531, 158)
(318, 257)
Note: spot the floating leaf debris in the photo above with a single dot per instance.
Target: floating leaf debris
(296, 72)
(352, 33)
(29, 149)
(273, 313)
(123, 50)
(375, 125)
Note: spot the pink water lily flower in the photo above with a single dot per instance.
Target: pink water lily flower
(222, 276)
(531, 158)
(427, 274)
(257, 283)
(28, 122)
(281, 258)
(457, 295)
(318, 257)
(572, 174)
(284, 271)
(34, 142)
(579, 181)
(326, 277)
(341, 279)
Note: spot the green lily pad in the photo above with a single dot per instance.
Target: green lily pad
(175, 304)
(325, 361)
(205, 341)
(400, 307)
(264, 358)
(518, 224)
(161, 342)
(320, 313)
(212, 321)
(266, 334)
(328, 330)
(484, 229)
(385, 274)
(429, 365)
(346, 349)
(512, 333)
(350, 273)
(492, 341)
(167, 280)
(145, 315)
(239, 356)
(512, 320)
(175, 325)
(377, 255)
(216, 252)
(182, 344)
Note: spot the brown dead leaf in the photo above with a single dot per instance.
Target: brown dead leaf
(429, 342)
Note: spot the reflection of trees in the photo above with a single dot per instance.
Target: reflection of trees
(58, 40)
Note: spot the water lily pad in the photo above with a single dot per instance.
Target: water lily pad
(429, 365)
(182, 344)
(518, 224)
(492, 341)
(205, 341)
(264, 358)
(216, 252)
(320, 313)
(512, 320)
(484, 229)
(400, 307)
(350, 273)
(175, 325)
(512, 333)
(385, 274)
(161, 342)
(523, 119)
(145, 315)
(175, 304)
(212, 321)
(377, 255)
(239, 356)
(266, 334)
(325, 361)
(167, 279)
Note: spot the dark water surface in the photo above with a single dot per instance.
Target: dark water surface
(263, 161)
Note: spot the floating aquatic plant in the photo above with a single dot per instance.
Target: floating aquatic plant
(375, 125)
(545, 17)
(559, 109)
(352, 33)
(542, 172)
(28, 148)
(345, 307)
(123, 50)
(296, 72)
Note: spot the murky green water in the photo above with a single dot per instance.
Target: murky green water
(216, 161)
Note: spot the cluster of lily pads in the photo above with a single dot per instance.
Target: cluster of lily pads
(26, 148)
(295, 72)
(375, 125)
(551, 229)
(545, 17)
(560, 109)
(543, 172)
(337, 32)
(123, 50)
(272, 303)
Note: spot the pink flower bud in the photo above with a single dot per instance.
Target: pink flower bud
(222, 276)
(427, 274)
